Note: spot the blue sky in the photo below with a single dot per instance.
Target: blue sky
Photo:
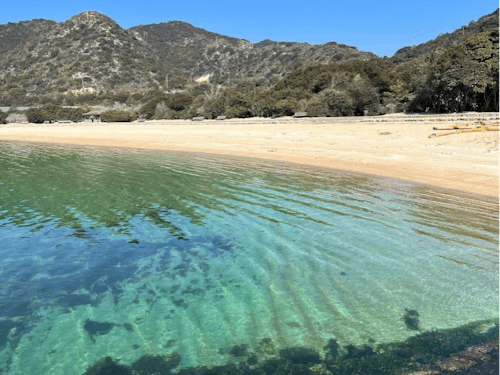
(381, 27)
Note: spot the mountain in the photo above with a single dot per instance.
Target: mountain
(90, 58)
(90, 53)
(203, 53)
(87, 53)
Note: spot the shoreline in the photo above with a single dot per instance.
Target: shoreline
(467, 162)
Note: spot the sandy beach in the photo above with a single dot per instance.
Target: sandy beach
(468, 162)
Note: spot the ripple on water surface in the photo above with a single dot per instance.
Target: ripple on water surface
(213, 259)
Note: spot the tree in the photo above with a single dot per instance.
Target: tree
(261, 103)
(322, 82)
(179, 101)
(339, 103)
(49, 112)
(161, 111)
(331, 103)
(16, 118)
(483, 50)
(316, 107)
(148, 110)
(365, 99)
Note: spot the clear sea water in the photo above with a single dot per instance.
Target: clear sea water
(127, 253)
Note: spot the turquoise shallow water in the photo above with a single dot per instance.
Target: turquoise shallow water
(127, 253)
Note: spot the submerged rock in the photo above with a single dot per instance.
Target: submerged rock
(238, 350)
(411, 319)
(156, 364)
(266, 346)
(300, 355)
(169, 343)
(97, 328)
(252, 360)
(355, 352)
(332, 348)
(108, 366)
(128, 327)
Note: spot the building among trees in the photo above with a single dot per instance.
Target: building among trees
(92, 116)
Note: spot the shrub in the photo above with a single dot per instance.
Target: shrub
(322, 82)
(237, 111)
(340, 103)
(16, 118)
(120, 116)
(72, 114)
(262, 103)
(180, 101)
(287, 107)
(161, 111)
(331, 103)
(51, 112)
(35, 116)
(148, 110)
(317, 108)
(196, 109)
(212, 108)
(3, 117)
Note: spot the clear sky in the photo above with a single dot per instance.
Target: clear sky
(381, 27)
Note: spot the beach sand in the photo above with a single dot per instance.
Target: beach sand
(468, 162)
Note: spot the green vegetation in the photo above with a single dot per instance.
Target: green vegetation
(119, 116)
(463, 78)
(168, 106)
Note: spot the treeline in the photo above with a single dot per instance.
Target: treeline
(53, 113)
(39, 115)
(463, 77)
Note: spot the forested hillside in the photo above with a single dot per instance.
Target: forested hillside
(175, 70)
(446, 40)
(13, 34)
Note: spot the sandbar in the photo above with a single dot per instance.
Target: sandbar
(467, 162)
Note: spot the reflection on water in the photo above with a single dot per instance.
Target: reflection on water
(130, 259)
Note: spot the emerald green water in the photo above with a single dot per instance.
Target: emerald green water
(126, 253)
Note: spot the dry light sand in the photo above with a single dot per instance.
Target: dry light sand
(466, 162)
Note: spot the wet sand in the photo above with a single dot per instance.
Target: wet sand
(468, 162)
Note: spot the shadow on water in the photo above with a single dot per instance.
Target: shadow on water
(473, 347)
